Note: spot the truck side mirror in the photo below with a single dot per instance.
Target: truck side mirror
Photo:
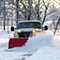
(46, 27)
(12, 28)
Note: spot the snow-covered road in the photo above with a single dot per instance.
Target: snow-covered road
(40, 46)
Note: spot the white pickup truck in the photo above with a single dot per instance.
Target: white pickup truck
(27, 29)
(24, 30)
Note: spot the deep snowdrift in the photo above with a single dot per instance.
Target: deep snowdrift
(46, 53)
(6, 34)
(35, 43)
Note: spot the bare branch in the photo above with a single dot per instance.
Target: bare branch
(57, 26)
(46, 8)
(44, 4)
(23, 5)
(49, 13)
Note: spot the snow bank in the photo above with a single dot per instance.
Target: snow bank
(56, 38)
(4, 38)
(5, 55)
(46, 53)
(34, 43)
(6, 34)
(39, 41)
(40, 45)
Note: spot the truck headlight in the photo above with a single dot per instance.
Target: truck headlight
(34, 32)
(19, 31)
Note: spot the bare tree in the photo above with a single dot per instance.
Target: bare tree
(45, 13)
(46, 9)
(25, 12)
(30, 10)
(38, 10)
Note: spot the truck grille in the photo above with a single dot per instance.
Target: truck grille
(24, 34)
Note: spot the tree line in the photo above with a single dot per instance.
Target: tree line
(42, 10)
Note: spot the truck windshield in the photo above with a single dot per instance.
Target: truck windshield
(29, 25)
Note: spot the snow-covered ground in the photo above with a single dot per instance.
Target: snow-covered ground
(40, 47)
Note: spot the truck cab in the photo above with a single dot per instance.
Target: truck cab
(27, 29)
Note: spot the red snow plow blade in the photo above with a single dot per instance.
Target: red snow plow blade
(17, 42)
